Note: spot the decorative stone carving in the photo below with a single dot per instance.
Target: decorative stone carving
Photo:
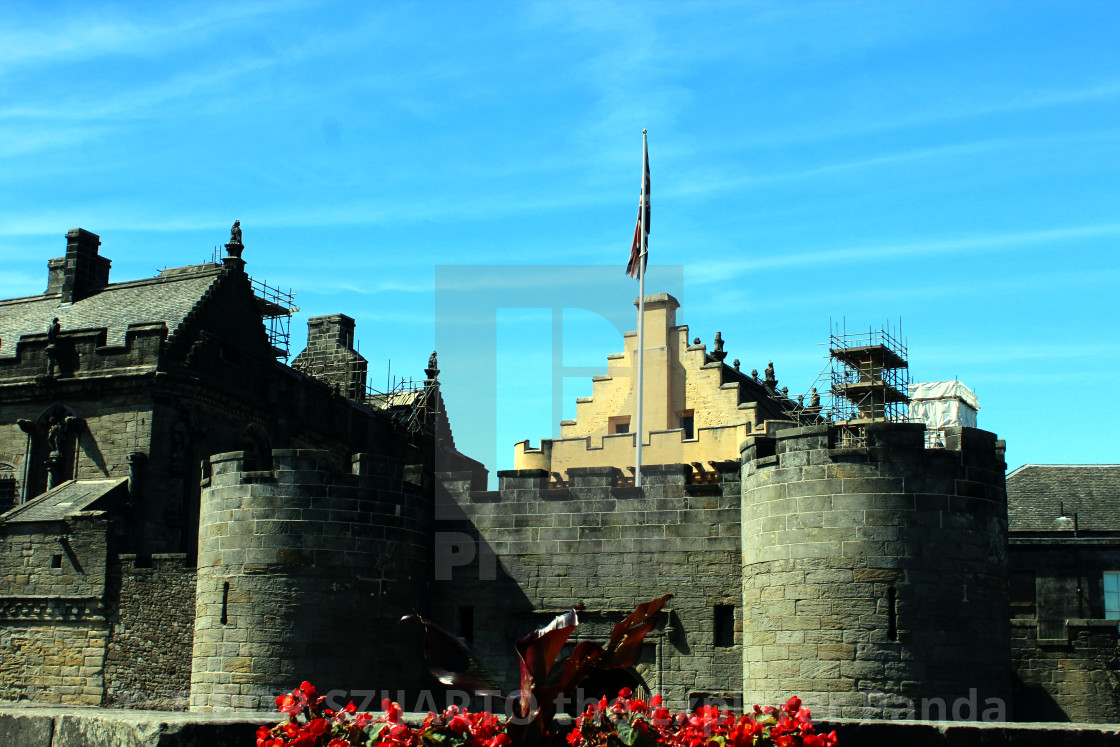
(433, 369)
(52, 346)
(719, 354)
(235, 247)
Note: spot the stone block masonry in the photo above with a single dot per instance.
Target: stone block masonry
(53, 628)
(148, 661)
(874, 577)
(1075, 678)
(303, 573)
(523, 553)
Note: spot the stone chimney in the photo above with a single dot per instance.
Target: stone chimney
(82, 271)
(330, 355)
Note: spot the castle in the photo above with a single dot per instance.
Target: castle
(193, 523)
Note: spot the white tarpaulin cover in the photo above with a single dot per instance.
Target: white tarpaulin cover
(941, 404)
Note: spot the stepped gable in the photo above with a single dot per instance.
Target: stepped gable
(1039, 493)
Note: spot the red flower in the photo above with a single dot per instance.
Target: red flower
(459, 724)
(318, 727)
(793, 704)
(820, 740)
(351, 708)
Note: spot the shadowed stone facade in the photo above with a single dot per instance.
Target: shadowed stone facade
(113, 396)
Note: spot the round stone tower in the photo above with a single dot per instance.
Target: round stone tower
(875, 577)
(303, 574)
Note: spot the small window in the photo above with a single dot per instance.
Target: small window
(892, 614)
(724, 626)
(466, 624)
(1021, 588)
(7, 488)
(56, 561)
(1112, 595)
(686, 424)
(619, 425)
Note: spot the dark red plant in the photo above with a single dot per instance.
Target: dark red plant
(537, 699)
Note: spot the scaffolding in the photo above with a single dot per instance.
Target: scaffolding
(276, 308)
(410, 402)
(870, 380)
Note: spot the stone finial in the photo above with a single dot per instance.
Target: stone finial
(432, 370)
(736, 364)
(785, 391)
(801, 400)
(719, 354)
(695, 340)
(754, 374)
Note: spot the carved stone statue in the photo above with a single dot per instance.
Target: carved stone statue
(55, 432)
(52, 346)
(770, 380)
(815, 399)
(433, 369)
(235, 233)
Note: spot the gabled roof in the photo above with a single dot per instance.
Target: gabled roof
(65, 500)
(168, 298)
(1037, 494)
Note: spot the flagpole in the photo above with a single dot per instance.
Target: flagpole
(643, 212)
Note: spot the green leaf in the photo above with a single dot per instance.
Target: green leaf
(373, 731)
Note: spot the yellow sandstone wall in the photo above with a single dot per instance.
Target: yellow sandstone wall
(678, 378)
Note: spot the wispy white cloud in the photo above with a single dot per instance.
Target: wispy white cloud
(51, 38)
(713, 272)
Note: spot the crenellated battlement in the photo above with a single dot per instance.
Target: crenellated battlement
(80, 354)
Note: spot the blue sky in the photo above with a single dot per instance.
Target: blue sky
(952, 165)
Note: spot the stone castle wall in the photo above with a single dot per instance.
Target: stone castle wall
(151, 629)
(303, 574)
(508, 560)
(1072, 678)
(53, 628)
(875, 577)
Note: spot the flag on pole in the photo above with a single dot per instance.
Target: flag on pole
(638, 250)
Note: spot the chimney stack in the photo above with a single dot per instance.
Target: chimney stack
(82, 271)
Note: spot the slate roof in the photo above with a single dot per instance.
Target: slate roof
(67, 499)
(1037, 494)
(167, 298)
